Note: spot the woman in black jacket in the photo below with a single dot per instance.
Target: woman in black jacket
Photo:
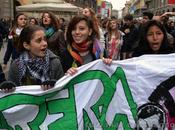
(19, 23)
(153, 40)
(54, 35)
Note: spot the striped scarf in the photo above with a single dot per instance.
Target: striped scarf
(49, 32)
(75, 48)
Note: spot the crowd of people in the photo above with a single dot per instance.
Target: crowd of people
(42, 51)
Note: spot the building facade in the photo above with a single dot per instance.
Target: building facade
(102, 7)
(115, 13)
(84, 3)
(158, 7)
(59, 7)
(7, 9)
(126, 9)
(138, 7)
(105, 9)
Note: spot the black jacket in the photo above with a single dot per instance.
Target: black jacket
(11, 51)
(2, 76)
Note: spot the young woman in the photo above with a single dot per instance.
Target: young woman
(113, 40)
(19, 23)
(83, 47)
(36, 64)
(89, 12)
(154, 40)
(54, 36)
(33, 21)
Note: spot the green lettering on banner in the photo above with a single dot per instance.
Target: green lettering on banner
(67, 106)
(121, 118)
(3, 123)
(87, 121)
(20, 99)
(105, 99)
(18, 128)
(120, 75)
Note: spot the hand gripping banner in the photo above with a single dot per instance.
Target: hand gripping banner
(133, 94)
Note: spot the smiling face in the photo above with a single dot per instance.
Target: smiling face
(155, 37)
(113, 24)
(38, 45)
(81, 32)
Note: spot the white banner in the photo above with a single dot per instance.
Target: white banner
(130, 94)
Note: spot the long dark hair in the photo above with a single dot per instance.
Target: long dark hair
(144, 44)
(15, 22)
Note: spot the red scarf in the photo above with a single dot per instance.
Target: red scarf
(82, 47)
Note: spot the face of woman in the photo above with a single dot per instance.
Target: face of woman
(81, 32)
(32, 22)
(38, 45)
(86, 12)
(145, 19)
(46, 19)
(21, 21)
(113, 24)
(155, 37)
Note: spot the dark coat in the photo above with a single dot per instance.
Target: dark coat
(10, 51)
(67, 60)
(130, 39)
(144, 47)
(139, 52)
(2, 76)
(56, 42)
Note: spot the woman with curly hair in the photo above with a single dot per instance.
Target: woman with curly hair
(153, 40)
(54, 36)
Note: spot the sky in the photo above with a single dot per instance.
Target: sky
(117, 4)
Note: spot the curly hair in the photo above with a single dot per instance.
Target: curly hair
(54, 20)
